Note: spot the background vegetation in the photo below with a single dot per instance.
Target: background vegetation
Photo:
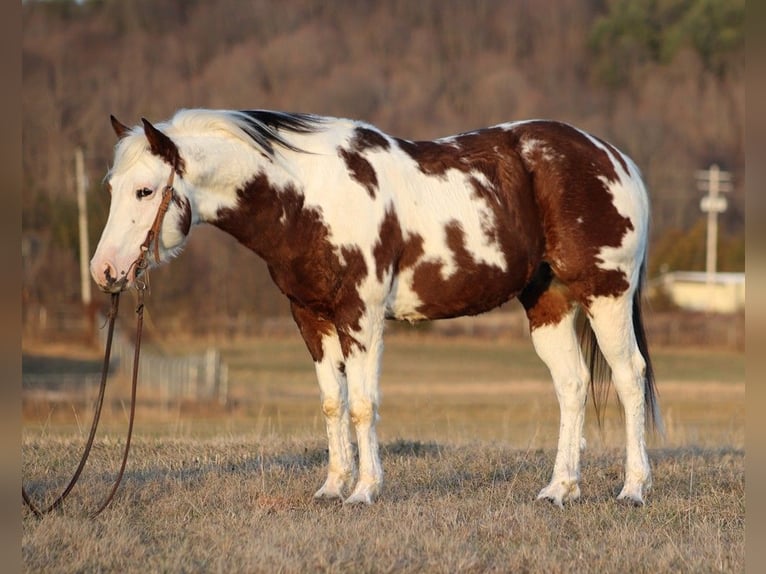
(662, 79)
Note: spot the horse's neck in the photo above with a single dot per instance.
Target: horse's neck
(225, 170)
(242, 192)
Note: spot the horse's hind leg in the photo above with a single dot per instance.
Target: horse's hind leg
(612, 321)
(551, 314)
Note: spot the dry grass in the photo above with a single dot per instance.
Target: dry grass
(464, 455)
(243, 505)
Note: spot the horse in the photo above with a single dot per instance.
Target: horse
(357, 226)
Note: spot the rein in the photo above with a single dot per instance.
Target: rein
(141, 264)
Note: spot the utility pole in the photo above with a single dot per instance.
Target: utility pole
(82, 221)
(714, 181)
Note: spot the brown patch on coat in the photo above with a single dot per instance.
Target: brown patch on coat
(506, 187)
(615, 154)
(361, 170)
(367, 138)
(577, 208)
(545, 299)
(433, 158)
(387, 249)
(349, 307)
(314, 328)
(483, 150)
(185, 215)
(474, 287)
(294, 242)
(392, 251)
(358, 166)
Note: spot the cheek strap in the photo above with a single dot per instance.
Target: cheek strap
(153, 235)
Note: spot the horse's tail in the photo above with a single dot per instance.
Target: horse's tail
(601, 374)
(650, 386)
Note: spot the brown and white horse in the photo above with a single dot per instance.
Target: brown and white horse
(357, 226)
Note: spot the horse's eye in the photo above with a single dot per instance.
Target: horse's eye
(144, 192)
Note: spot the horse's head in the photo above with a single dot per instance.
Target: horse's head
(146, 162)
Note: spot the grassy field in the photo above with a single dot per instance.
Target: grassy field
(468, 429)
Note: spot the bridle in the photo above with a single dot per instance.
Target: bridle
(141, 265)
(154, 231)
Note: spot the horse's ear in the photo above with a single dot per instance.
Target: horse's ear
(119, 128)
(162, 146)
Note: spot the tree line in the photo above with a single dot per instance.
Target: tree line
(662, 79)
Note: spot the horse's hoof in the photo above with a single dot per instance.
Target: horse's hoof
(332, 489)
(363, 494)
(634, 489)
(631, 497)
(560, 492)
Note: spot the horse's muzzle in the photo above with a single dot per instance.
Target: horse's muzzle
(108, 279)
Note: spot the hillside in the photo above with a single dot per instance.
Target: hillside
(664, 81)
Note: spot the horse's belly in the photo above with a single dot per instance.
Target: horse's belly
(424, 293)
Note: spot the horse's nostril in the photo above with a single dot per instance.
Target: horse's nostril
(110, 273)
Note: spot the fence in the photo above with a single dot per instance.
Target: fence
(204, 377)
(196, 377)
(199, 377)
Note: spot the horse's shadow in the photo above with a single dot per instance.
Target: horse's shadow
(521, 472)
(187, 473)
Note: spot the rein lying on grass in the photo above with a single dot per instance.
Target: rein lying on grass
(59, 501)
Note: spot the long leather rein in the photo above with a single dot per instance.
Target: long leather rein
(141, 264)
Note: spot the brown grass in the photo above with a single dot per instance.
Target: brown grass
(242, 504)
(464, 458)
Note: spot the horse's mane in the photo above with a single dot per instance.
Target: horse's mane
(262, 128)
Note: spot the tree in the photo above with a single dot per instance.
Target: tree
(634, 32)
(639, 73)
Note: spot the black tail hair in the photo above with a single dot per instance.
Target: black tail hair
(601, 374)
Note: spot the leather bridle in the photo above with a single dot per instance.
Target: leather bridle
(154, 231)
(141, 264)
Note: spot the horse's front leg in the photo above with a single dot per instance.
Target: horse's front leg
(334, 398)
(324, 346)
(363, 372)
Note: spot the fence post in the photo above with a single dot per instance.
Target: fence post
(197, 377)
(223, 384)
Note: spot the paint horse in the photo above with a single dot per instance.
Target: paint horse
(357, 226)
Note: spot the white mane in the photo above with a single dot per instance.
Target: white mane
(187, 122)
(260, 129)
